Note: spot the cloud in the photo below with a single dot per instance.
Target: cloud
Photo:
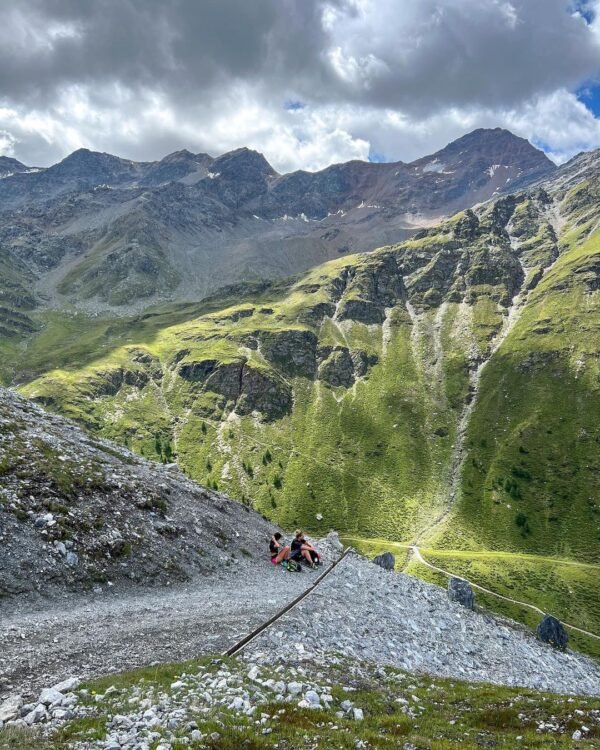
(307, 83)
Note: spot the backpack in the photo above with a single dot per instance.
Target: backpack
(293, 566)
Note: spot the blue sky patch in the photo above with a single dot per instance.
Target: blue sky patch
(376, 157)
(585, 8)
(293, 105)
(590, 96)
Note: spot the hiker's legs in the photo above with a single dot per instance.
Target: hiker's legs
(306, 556)
(283, 555)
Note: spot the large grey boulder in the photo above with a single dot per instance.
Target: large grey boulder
(387, 561)
(10, 708)
(550, 630)
(460, 591)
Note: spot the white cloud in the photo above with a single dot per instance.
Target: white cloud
(379, 76)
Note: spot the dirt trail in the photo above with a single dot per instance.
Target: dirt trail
(95, 634)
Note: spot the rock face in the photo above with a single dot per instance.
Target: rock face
(387, 561)
(550, 630)
(461, 592)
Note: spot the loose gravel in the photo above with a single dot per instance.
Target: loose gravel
(368, 613)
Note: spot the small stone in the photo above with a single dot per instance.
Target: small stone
(358, 714)
(123, 722)
(294, 688)
(312, 697)
(576, 735)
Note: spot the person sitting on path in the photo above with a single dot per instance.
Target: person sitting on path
(303, 550)
(279, 552)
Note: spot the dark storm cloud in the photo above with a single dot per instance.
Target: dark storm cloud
(183, 46)
(418, 54)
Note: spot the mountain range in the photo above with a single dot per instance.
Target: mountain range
(441, 388)
(103, 233)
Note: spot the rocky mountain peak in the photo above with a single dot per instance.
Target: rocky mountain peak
(496, 147)
(93, 164)
(10, 166)
(243, 162)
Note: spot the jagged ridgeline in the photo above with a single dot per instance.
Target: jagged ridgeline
(459, 368)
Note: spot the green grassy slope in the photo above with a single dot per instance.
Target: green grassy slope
(532, 474)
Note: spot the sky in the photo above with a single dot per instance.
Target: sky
(306, 82)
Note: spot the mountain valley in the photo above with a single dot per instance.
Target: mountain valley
(431, 390)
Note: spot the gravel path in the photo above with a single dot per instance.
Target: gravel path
(360, 611)
(91, 635)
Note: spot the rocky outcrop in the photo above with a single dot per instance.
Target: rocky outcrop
(291, 351)
(196, 371)
(244, 388)
(362, 311)
(339, 366)
(314, 315)
(337, 369)
(110, 382)
(264, 392)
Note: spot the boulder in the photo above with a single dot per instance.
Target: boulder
(71, 683)
(38, 714)
(333, 540)
(460, 591)
(550, 630)
(10, 708)
(387, 561)
(51, 697)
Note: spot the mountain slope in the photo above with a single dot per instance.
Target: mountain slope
(78, 512)
(358, 380)
(107, 234)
